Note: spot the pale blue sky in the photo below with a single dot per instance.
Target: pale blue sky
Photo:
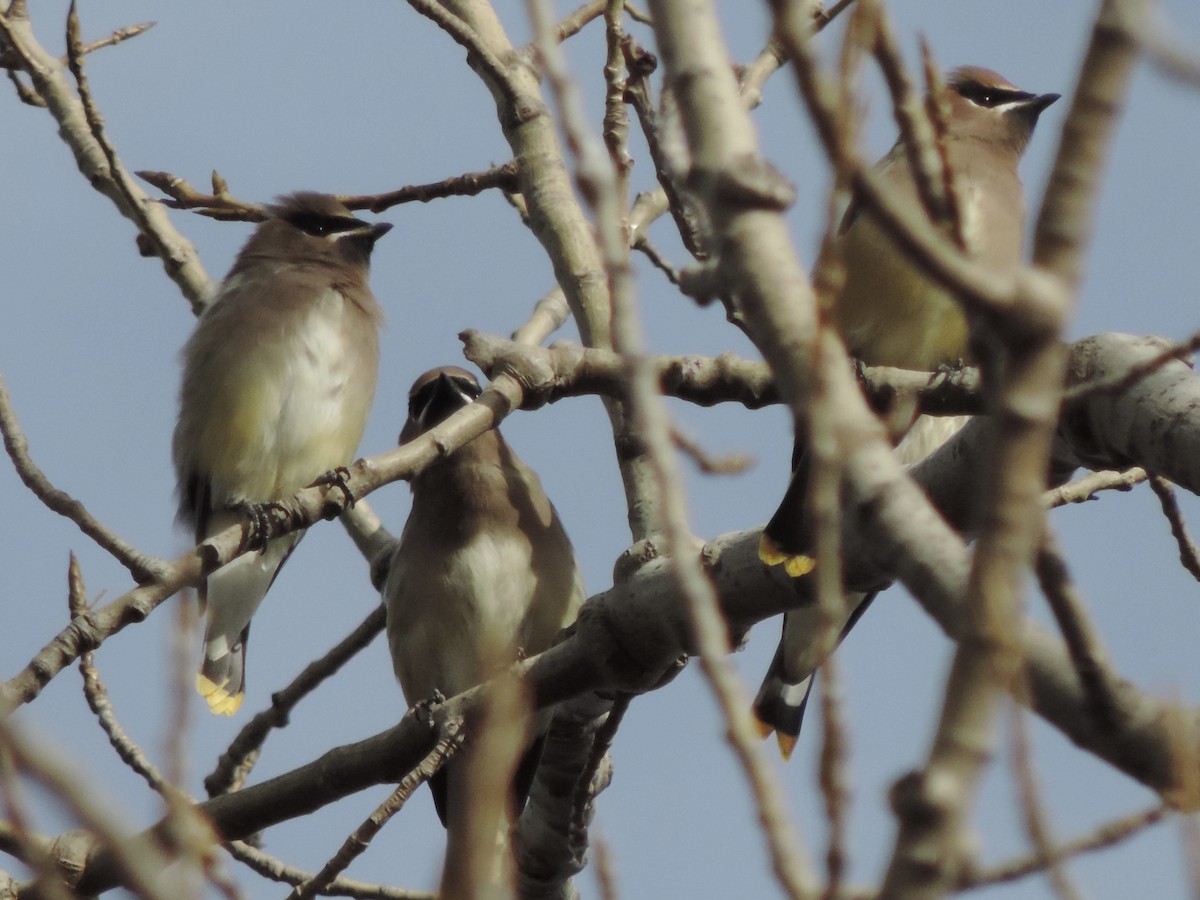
(281, 96)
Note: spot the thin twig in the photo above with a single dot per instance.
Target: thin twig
(670, 165)
(919, 128)
(139, 865)
(142, 567)
(729, 464)
(470, 184)
(606, 876)
(117, 37)
(179, 719)
(615, 127)
(275, 869)
(1088, 655)
(19, 840)
(219, 205)
(574, 22)
(585, 786)
(237, 761)
(153, 238)
(660, 262)
(492, 68)
(835, 774)
(27, 95)
(1189, 827)
(1120, 384)
(96, 693)
(1083, 489)
(824, 16)
(1189, 554)
(1036, 825)
(1102, 838)
(938, 110)
(178, 803)
(224, 207)
(1163, 48)
(638, 14)
(354, 845)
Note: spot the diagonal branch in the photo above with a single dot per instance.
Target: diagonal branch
(143, 568)
(107, 175)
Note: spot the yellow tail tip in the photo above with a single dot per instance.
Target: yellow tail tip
(771, 554)
(220, 701)
(787, 743)
(763, 728)
(796, 566)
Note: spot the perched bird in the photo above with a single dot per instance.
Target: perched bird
(891, 314)
(483, 574)
(278, 378)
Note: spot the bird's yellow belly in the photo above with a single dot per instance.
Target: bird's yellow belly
(891, 315)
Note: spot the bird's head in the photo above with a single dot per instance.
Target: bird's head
(988, 107)
(435, 396)
(315, 228)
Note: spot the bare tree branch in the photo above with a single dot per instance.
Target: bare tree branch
(100, 167)
(1189, 555)
(270, 867)
(236, 763)
(143, 568)
(447, 745)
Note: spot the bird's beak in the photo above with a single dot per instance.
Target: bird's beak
(1034, 106)
(444, 400)
(372, 233)
(363, 237)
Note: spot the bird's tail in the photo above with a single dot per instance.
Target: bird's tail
(780, 703)
(233, 594)
(783, 697)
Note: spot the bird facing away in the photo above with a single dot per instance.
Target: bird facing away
(484, 574)
(278, 378)
(890, 313)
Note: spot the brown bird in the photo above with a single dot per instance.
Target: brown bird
(278, 378)
(484, 573)
(891, 314)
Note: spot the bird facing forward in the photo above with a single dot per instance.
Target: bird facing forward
(484, 573)
(890, 313)
(278, 378)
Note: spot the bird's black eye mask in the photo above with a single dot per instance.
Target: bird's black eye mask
(437, 400)
(990, 96)
(322, 224)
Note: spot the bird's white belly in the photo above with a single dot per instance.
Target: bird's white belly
(300, 418)
(454, 621)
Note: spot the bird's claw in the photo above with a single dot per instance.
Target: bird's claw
(338, 478)
(260, 523)
(945, 371)
(423, 709)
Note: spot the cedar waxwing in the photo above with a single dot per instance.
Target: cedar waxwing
(890, 314)
(278, 378)
(484, 574)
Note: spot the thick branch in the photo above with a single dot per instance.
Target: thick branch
(630, 636)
